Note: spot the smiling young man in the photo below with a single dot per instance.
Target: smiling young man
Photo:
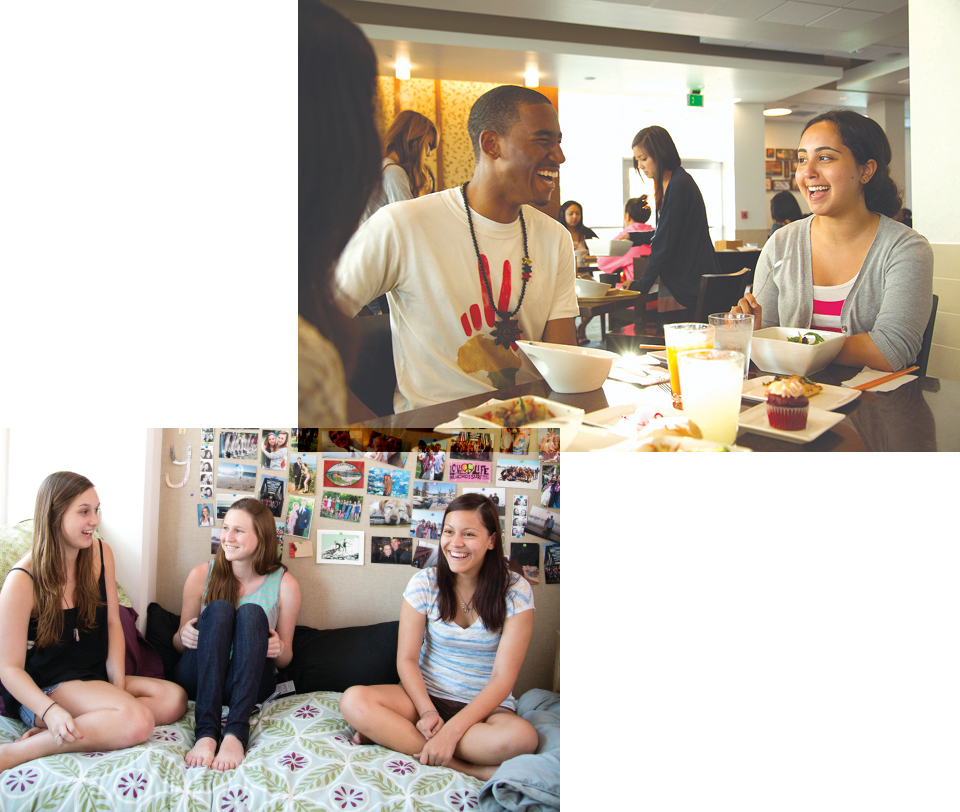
(469, 270)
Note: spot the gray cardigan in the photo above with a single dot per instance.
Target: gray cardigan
(890, 300)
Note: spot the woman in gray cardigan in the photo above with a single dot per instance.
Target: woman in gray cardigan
(849, 267)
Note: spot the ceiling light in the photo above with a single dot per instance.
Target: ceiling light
(531, 78)
(402, 68)
(778, 111)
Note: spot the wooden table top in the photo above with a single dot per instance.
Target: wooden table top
(921, 415)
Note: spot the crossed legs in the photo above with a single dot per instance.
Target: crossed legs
(386, 715)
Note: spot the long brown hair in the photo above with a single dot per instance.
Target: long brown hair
(407, 137)
(49, 561)
(657, 143)
(223, 583)
(490, 597)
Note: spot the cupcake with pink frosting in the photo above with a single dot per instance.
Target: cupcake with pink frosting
(787, 406)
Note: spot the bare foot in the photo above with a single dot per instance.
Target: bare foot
(359, 738)
(202, 753)
(230, 755)
(33, 731)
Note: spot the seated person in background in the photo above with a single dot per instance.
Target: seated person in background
(635, 216)
(784, 209)
(571, 215)
(469, 270)
(849, 267)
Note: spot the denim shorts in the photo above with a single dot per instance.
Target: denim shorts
(27, 716)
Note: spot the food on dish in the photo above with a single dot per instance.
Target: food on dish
(787, 405)
(809, 387)
(664, 444)
(807, 338)
(671, 427)
(517, 412)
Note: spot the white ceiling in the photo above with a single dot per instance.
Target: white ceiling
(752, 50)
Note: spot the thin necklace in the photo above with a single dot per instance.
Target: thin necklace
(466, 606)
(507, 329)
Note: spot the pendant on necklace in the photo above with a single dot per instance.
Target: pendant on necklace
(506, 331)
(76, 634)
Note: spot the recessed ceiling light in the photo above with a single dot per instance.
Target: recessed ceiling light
(778, 111)
(532, 77)
(402, 68)
(589, 78)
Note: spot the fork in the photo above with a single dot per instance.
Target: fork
(776, 265)
(665, 386)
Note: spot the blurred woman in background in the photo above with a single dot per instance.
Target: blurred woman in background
(784, 209)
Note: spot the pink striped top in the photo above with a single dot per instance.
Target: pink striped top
(828, 303)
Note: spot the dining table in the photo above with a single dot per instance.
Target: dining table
(922, 414)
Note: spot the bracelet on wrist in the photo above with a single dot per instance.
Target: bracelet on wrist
(432, 710)
(45, 712)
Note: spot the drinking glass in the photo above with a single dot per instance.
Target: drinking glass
(733, 332)
(679, 337)
(712, 384)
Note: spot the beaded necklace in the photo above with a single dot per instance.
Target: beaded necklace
(507, 329)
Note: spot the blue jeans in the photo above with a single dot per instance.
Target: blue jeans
(211, 676)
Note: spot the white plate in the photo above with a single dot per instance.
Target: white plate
(832, 397)
(818, 421)
(662, 355)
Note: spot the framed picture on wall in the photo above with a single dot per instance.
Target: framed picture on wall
(769, 184)
(774, 169)
(771, 153)
(786, 154)
(781, 186)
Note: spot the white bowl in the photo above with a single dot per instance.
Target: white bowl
(771, 351)
(609, 248)
(569, 369)
(567, 418)
(589, 289)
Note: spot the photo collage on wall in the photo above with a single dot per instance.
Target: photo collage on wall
(331, 491)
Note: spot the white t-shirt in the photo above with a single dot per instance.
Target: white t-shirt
(420, 254)
(456, 663)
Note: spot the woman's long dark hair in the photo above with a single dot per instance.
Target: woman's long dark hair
(490, 598)
(583, 233)
(867, 141)
(784, 208)
(339, 155)
(658, 144)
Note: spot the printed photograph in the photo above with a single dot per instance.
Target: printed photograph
(551, 563)
(343, 474)
(430, 463)
(518, 473)
(302, 476)
(299, 515)
(473, 445)
(214, 540)
(543, 523)
(224, 502)
(497, 495)
(437, 443)
(305, 440)
(520, 505)
(549, 443)
(204, 515)
(342, 506)
(550, 485)
(427, 524)
(206, 479)
(469, 471)
(271, 494)
(206, 492)
(235, 476)
(388, 482)
(280, 528)
(206, 453)
(341, 444)
(274, 448)
(429, 495)
(391, 550)
(206, 466)
(239, 445)
(526, 556)
(339, 548)
(426, 554)
(515, 441)
(392, 512)
(386, 448)
(206, 435)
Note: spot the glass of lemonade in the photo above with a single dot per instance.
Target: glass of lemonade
(680, 337)
(733, 332)
(712, 385)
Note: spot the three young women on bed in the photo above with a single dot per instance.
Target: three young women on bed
(849, 267)
(237, 622)
(62, 655)
(464, 630)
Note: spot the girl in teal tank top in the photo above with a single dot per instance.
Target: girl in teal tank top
(236, 626)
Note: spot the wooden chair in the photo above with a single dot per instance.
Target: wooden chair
(924, 354)
(720, 292)
(374, 377)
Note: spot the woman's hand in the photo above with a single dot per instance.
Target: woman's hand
(429, 724)
(749, 305)
(189, 635)
(438, 750)
(62, 725)
(274, 645)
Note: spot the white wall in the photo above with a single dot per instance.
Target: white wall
(124, 467)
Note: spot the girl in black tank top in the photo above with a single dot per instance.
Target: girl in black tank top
(63, 668)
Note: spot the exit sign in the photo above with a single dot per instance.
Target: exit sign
(694, 100)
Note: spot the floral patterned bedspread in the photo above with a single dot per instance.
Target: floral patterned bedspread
(300, 758)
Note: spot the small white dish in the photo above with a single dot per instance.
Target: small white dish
(590, 289)
(818, 421)
(772, 352)
(569, 369)
(682, 444)
(608, 248)
(832, 397)
(567, 418)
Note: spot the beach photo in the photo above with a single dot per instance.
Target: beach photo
(236, 477)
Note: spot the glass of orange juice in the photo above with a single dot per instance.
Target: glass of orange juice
(680, 337)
